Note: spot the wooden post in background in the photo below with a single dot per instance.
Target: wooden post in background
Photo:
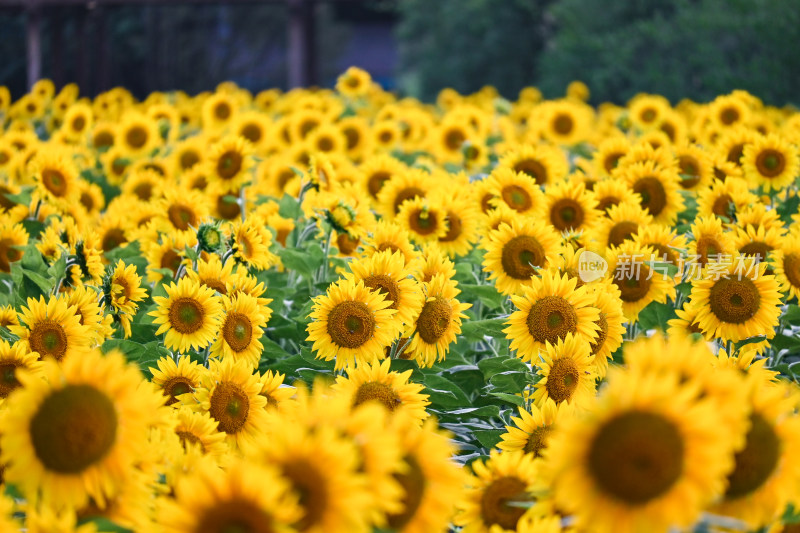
(302, 44)
(33, 36)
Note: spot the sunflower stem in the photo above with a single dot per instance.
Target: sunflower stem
(241, 202)
(327, 249)
(36, 210)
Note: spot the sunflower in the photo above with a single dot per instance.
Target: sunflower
(438, 323)
(351, 323)
(219, 111)
(386, 135)
(242, 326)
(123, 289)
(374, 382)
(229, 392)
(8, 316)
(137, 135)
(196, 429)
(353, 83)
(514, 253)
(770, 162)
(609, 152)
(392, 237)
(563, 122)
(621, 224)
(647, 457)
(56, 178)
(685, 325)
(423, 219)
(505, 477)
(762, 217)
(547, 311)
(757, 242)
(144, 184)
(273, 389)
(710, 243)
(727, 111)
(246, 496)
(181, 210)
(736, 300)
(462, 222)
(695, 166)
(212, 273)
(638, 278)
(251, 241)
(765, 476)
(52, 329)
(544, 163)
(658, 190)
(570, 207)
(611, 192)
(611, 329)
(77, 121)
(189, 154)
(229, 163)
(405, 186)
(532, 429)
(189, 314)
(242, 282)
(76, 434)
(176, 378)
(567, 372)
(431, 482)
(432, 260)
(90, 313)
(168, 254)
(517, 190)
(13, 238)
(14, 358)
(357, 137)
(785, 263)
(746, 362)
(730, 145)
(724, 199)
(647, 110)
(387, 273)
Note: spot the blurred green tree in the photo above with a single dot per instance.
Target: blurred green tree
(678, 48)
(466, 44)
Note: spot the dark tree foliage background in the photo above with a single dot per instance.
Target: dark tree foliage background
(678, 48)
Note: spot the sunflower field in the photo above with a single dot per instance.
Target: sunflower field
(340, 311)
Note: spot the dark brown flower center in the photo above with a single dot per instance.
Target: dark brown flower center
(566, 214)
(495, 500)
(237, 331)
(756, 462)
(73, 429)
(350, 324)
(734, 301)
(534, 169)
(229, 407)
(434, 320)
(186, 315)
(236, 515)
(521, 256)
(563, 379)
(551, 318)
(48, 338)
(377, 392)
(652, 193)
(229, 164)
(770, 163)
(636, 457)
(516, 197)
